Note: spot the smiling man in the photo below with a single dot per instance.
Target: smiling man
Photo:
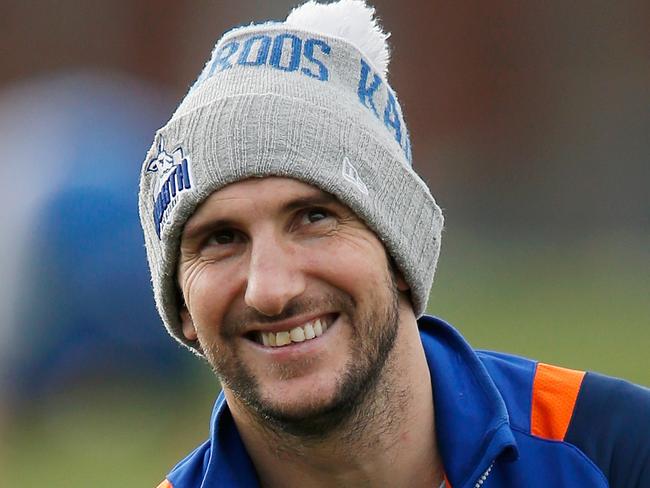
(292, 246)
(307, 313)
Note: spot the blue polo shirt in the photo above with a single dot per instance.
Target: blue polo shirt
(501, 421)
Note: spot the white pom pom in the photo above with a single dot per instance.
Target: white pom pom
(351, 20)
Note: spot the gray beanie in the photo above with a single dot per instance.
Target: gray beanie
(307, 98)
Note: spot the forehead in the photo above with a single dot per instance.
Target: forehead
(267, 188)
(257, 196)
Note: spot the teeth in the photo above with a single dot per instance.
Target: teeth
(282, 339)
(298, 334)
(318, 328)
(309, 332)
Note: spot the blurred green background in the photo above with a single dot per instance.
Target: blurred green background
(529, 121)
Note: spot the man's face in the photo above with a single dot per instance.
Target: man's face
(266, 263)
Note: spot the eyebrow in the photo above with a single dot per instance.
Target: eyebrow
(320, 198)
(192, 231)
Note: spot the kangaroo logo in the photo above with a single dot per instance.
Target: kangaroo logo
(172, 177)
(163, 161)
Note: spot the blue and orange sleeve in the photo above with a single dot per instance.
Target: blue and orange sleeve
(611, 426)
(607, 419)
(555, 391)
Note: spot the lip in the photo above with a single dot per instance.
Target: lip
(296, 349)
(287, 325)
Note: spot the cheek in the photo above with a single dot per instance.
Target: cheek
(209, 293)
(353, 268)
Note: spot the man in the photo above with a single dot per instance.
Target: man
(292, 245)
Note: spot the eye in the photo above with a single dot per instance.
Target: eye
(223, 237)
(316, 215)
(314, 219)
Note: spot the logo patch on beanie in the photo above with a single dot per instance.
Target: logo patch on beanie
(172, 173)
(351, 174)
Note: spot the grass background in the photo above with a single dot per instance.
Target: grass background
(581, 305)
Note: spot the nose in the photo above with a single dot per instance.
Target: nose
(274, 277)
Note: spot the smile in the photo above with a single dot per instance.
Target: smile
(305, 332)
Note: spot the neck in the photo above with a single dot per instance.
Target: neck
(389, 440)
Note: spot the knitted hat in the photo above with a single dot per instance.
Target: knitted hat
(307, 98)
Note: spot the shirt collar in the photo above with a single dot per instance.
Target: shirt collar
(472, 423)
(229, 464)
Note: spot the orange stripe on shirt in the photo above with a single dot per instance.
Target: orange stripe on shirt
(555, 391)
(165, 484)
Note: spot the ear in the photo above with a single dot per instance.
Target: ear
(402, 285)
(189, 330)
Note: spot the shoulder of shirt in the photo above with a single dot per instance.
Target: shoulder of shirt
(607, 419)
(611, 425)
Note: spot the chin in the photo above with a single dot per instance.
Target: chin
(314, 418)
(301, 394)
(312, 409)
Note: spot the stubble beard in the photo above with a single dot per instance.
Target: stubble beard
(361, 393)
